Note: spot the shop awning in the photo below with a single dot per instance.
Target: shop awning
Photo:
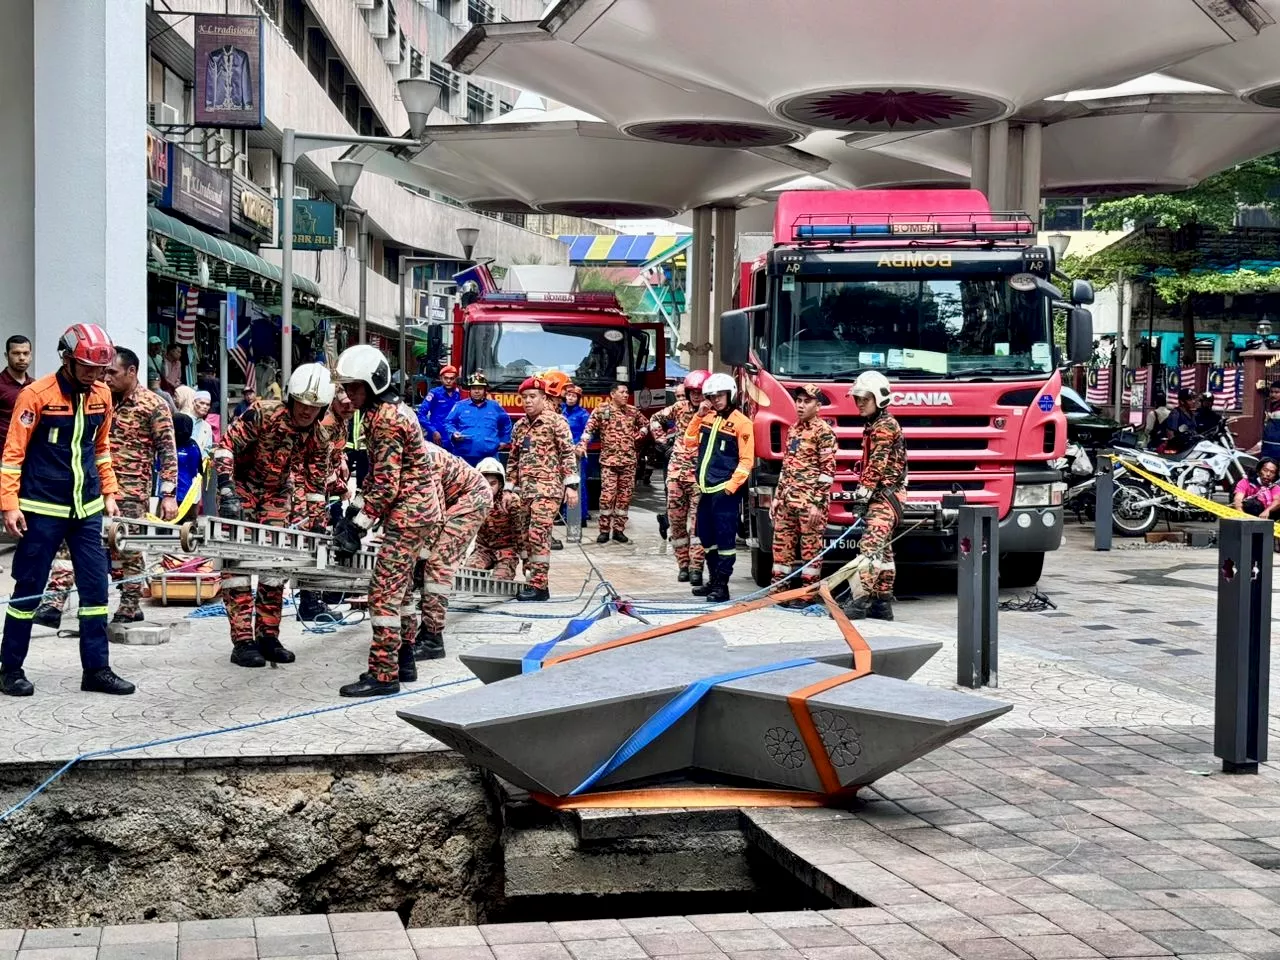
(240, 260)
(612, 250)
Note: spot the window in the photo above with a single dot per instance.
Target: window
(504, 107)
(480, 12)
(594, 356)
(448, 82)
(445, 8)
(165, 86)
(415, 63)
(479, 104)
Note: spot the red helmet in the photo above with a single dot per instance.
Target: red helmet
(572, 387)
(695, 379)
(533, 383)
(87, 343)
(556, 381)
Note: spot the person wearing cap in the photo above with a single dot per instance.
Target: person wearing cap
(498, 540)
(543, 472)
(799, 508)
(1180, 428)
(155, 362)
(477, 427)
(620, 427)
(576, 415)
(435, 408)
(1208, 420)
(202, 431)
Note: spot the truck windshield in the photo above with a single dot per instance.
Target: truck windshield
(594, 356)
(945, 327)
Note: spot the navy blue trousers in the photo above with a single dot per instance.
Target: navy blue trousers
(31, 564)
(717, 529)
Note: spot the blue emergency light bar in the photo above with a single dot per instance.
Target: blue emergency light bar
(520, 298)
(989, 226)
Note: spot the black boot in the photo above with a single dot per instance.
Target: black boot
(557, 544)
(47, 616)
(310, 606)
(683, 575)
(702, 589)
(408, 668)
(663, 525)
(535, 594)
(369, 686)
(247, 655)
(128, 618)
(603, 538)
(719, 591)
(14, 683)
(271, 650)
(427, 645)
(695, 576)
(620, 537)
(881, 608)
(104, 680)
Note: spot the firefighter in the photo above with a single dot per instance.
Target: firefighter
(477, 427)
(620, 426)
(497, 541)
(882, 483)
(142, 447)
(56, 482)
(402, 493)
(435, 408)
(466, 500)
(544, 473)
(724, 441)
(556, 382)
(799, 508)
(273, 467)
(682, 484)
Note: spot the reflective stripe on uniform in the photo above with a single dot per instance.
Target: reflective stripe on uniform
(233, 582)
(424, 553)
(408, 610)
(44, 509)
(20, 614)
(10, 468)
(440, 589)
(540, 557)
(221, 453)
(781, 568)
(316, 498)
(387, 621)
(682, 542)
(87, 612)
(77, 465)
(63, 565)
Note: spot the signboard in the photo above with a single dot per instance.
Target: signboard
(228, 71)
(157, 163)
(233, 318)
(197, 191)
(314, 225)
(253, 212)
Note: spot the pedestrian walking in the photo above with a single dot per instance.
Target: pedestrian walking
(669, 425)
(402, 495)
(544, 473)
(477, 427)
(725, 443)
(882, 484)
(14, 376)
(497, 541)
(620, 426)
(799, 508)
(435, 408)
(56, 482)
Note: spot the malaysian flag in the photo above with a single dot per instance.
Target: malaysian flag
(1099, 389)
(187, 316)
(1224, 384)
(244, 360)
(1187, 378)
(1135, 387)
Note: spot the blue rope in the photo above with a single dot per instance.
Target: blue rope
(183, 738)
(531, 662)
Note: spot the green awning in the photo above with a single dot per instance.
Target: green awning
(238, 257)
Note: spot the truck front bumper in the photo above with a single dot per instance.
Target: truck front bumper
(1023, 530)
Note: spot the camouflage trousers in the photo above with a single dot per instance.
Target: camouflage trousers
(876, 546)
(617, 484)
(682, 511)
(442, 557)
(125, 565)
(254, 618)
(534, 517)
(796, 535)
(502, 562)
(391, 610)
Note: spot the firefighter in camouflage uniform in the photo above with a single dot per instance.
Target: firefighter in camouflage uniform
(497, 541)
(682, 483)
(799, 509)
(882, 484)
(543, 472)
(402, 493)
(466, 500)
(273, 466)
(142, 448)
(620, 426)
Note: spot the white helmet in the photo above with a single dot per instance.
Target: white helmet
(492, 466)
(872, 384)
(720, 383)
(364, 364)
(311, 384)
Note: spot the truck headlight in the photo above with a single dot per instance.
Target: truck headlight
(1032, 494)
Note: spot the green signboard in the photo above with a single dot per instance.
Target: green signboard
(313, 225)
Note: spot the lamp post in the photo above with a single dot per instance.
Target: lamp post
(1059, 242)
(419, 96)
(362, 258)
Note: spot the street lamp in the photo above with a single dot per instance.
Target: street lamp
(418, 101)
(1059, 242)
(467, 236)
(362, 257)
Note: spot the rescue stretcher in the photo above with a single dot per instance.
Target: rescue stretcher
(304, 557)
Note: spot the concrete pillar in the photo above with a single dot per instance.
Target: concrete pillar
(700, 291)
(17, 160)
(998, 165)
(1013, 171)
(979, 157)
(1032, 151)
(726, 270)
(90, 223)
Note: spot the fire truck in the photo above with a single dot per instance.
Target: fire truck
(954, 303)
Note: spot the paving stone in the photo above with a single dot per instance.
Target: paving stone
(453, 953)
(587, 929)
(230, 948)
(889, 933)
(296, 944)
(530, 951)
(389, 954)
(828, 936)
(1016, 925)
(1254, 942)
(235, 928)
(784, 954)
(858, 917)
(62, 937)
(611, 948)
(654, 925)
(291, 926)
(352, 922)
(737, 941)
(788, 919)
(1054, 947)
(136, 933)
(55, 953)
(840, 953)
(671, 944)
(714, 922)
(1188, 941)
(1122, 944)
(153, 950)
(435, 938)
(1213, 918)
(10, 939)
(503, 933)
(987, 948)
(962, 929)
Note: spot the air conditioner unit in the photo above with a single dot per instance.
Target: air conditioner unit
(302, 193)
(379, 22)
(340, 240)
(163, 115)
(365, 4)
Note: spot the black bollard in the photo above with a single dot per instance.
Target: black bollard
(1241, 694)
(978, 547)
(1104, 490)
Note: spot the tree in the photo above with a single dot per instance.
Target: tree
(594, 280)
(1171, 257)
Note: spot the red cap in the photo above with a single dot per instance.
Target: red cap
(448, 370)
(572, 387)
(533, 383)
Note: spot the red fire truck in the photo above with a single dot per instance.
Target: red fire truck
(954, 304)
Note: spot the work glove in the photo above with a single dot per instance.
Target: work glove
(229, 505)
(346, 538)
(861, 500)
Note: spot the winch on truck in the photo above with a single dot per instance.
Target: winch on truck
(954, 304)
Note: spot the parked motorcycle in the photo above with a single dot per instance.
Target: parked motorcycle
(1132, 513)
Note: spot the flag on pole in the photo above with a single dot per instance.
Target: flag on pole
(1098, 391)
(187, 316)
(1224, 384)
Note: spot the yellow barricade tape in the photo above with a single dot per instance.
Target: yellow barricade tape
(1208, 506)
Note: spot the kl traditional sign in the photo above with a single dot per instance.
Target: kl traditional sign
(228, 71)
(157, 161)
(197, 191)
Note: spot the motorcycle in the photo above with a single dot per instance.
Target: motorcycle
(1131, 513)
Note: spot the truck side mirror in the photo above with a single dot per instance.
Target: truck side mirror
(1079, 335)
(1081, 292)
(734, 342)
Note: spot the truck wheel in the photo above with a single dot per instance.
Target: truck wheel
(1020, 570)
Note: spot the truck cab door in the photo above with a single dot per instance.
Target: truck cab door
(649, 365)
